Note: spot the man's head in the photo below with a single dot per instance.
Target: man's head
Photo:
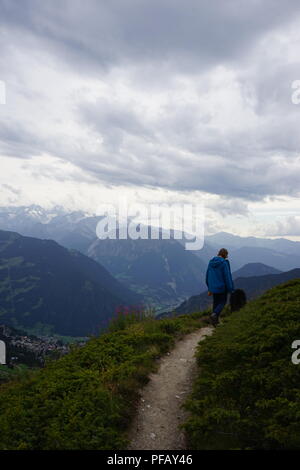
(223, 252)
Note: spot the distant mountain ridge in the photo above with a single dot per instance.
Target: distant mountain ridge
(235, 242)
(254, 269)
(72, 230)
(268, 256)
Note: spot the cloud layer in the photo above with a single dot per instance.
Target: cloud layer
(192, 96)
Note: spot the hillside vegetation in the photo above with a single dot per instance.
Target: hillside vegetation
(247, 395)
(86, 399)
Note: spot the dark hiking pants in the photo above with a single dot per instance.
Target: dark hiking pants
(219, 302)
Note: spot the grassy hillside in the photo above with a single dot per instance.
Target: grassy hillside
(86, 399)
(247, 395)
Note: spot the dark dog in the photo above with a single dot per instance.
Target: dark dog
(237, 300)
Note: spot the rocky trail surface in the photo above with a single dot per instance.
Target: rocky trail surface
(156, 424)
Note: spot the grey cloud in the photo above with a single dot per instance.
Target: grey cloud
(137, 152)
(288, 226)
(11, 189)
(239, 164)
(192, 34)
(227, 206)
(18, 141)
(112, 122)
(181, 148)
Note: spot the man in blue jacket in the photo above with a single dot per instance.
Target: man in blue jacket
(219, 282)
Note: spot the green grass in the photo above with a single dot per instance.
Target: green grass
(17, 373)
(247, 395)
(86, 399)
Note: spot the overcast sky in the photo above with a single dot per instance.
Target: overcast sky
(159, 100)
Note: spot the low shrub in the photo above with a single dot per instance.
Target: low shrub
(87, 398)
(247, 395)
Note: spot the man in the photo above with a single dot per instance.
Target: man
(219, 282)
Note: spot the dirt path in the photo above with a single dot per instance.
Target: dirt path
(155, 426)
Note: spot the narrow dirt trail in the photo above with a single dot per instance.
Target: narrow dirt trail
(155, 426)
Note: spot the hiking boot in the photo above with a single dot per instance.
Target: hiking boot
(214, 319)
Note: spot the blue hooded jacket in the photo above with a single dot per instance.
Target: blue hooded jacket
(218, 275)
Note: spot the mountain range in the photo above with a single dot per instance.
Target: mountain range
(254, 269)
(235, 241)
(162, 271)
(78, 230)
(46, 287)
